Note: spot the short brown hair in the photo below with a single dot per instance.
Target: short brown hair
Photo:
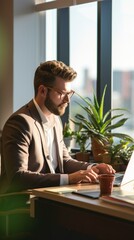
(47, 72)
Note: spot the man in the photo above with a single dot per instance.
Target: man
(33, 151)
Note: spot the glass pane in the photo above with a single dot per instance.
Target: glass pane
(51, 34)
(83, 51)
(123, 60)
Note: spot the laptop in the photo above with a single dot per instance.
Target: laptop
(125, 182)
(128, 176)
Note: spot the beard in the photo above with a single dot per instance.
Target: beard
(53, 108)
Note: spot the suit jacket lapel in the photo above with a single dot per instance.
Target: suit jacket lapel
(39, 126)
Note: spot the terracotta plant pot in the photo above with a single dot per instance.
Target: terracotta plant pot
(83, 156)
(119, 167)
(99, 153)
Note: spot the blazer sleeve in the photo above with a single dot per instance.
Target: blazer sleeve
(23, 162)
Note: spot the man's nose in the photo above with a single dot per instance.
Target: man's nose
(66, 99)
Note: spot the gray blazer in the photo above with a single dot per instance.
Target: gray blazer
(25, 158)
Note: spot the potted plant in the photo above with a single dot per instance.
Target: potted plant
(99, 125)
(81, 138)
(120, 153)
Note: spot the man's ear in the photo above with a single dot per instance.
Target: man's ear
(42, 90)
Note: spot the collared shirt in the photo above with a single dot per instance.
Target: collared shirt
(49, 135)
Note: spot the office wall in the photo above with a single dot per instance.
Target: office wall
(22, 48)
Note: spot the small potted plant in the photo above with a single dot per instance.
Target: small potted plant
(119, 153)
(82, 138)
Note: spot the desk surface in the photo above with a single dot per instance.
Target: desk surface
(96, 205)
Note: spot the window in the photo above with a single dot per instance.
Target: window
(123, 60)
(83, 50)
(83, 53)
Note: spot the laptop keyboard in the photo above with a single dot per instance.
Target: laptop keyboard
(118, 179)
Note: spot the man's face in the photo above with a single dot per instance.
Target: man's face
(58, 97)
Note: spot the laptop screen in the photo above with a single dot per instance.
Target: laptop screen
(128, 178)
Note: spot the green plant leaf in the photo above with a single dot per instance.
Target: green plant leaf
(101, 109)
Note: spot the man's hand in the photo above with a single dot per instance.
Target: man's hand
(83, 176)
(103, 168)
(91, 174)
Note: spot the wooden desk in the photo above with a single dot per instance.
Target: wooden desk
(76, 217)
